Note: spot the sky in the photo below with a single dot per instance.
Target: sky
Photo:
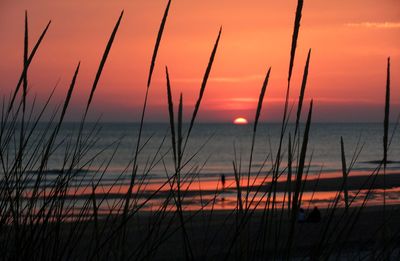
(350, 41)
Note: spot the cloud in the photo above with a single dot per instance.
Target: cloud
(380, 25)
(226, 79)
(238, 79)
(324, 100)
(242, 99)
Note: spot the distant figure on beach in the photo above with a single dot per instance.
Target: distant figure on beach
(223, 188)
(301, 218)
(223, 181)
(314, 216)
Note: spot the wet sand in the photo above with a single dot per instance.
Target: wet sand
(354, 182)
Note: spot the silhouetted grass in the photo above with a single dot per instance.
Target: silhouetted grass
(202, 88)
(344, 171)
(103, 61)
(28, 62)
(302, 90)
(385, 146)
(299, 176)
(70, 214)
(257, 116)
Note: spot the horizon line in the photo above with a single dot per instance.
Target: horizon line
(222, 122)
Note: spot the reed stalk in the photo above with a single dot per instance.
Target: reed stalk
(299, 176)
(28, 62)
(385, 146)
(253, 139)
(345, 173)
(202, 88)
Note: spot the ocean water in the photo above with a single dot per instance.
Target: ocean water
(107, 157)
(212, 147)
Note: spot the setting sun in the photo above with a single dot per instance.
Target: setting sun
(240, 121)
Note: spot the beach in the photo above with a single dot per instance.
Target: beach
(216, 235)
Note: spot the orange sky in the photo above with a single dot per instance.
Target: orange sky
(351, 40)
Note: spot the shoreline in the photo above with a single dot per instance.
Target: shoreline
(328, 184)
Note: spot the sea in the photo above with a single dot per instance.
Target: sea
(214, 147)
(212, 150)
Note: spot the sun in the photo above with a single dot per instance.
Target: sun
(240, 121)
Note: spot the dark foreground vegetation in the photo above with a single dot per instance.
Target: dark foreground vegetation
(43, 219)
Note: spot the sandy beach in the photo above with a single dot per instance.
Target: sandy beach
(220, 235)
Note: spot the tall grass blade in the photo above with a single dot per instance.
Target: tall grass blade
(238, 187)
(180, 115)
(171, 116)
(159, 35)
(34, 50)
(203, 86)
(69, 95)
(188, 249)
(385, 145)
(24, 90)
(386, 119)
(289, 177)
(25, 85)
(300, 170)
(125, 215)
(257, 116)
(95, 218)
(302, 90)
(295, 36)
(285, 111)
(344, 171)
(103, 60)
(260, 100)
(155, 51)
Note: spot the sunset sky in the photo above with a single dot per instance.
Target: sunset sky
(350, 41)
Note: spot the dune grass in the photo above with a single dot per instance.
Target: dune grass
(44, 215)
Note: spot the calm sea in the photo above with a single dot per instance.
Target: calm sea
(210, 152)
(211, 147)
